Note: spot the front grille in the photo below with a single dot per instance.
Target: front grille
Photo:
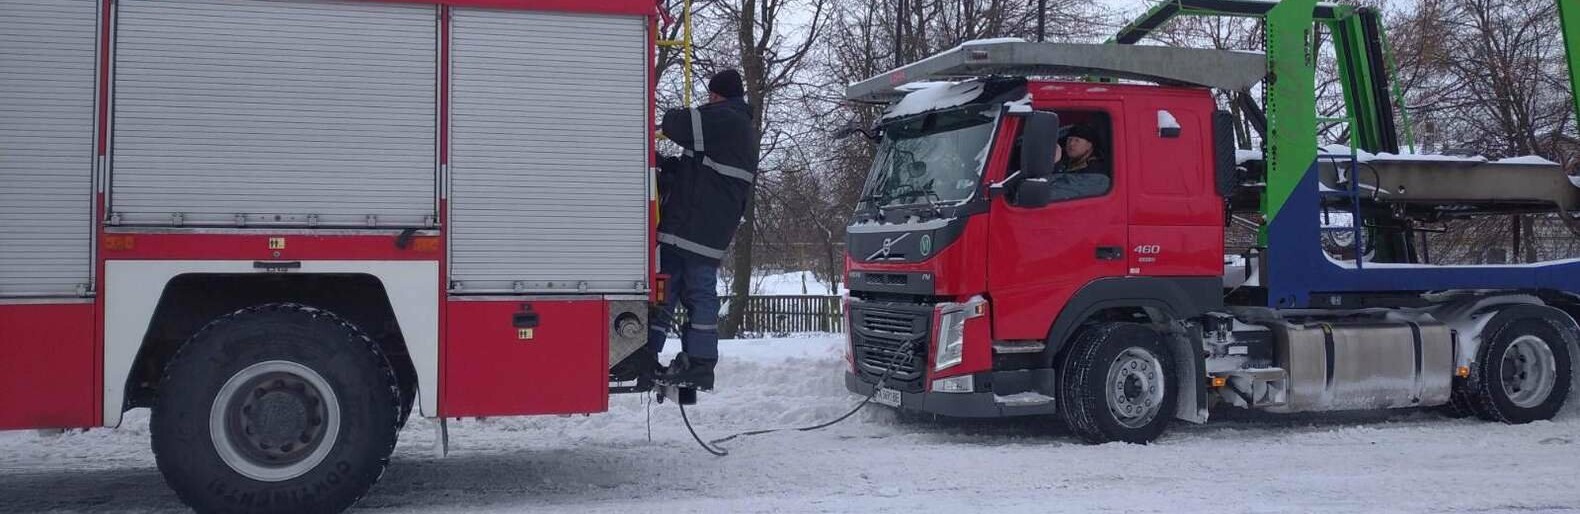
(879, 333)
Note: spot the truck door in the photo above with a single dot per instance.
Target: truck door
(1176, 217)
(1039, 257)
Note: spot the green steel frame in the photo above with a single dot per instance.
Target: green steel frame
(1569, 14)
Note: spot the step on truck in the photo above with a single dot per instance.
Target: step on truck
(986, 281)
(288, 225)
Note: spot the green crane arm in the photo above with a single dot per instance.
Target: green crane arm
(1569, 15)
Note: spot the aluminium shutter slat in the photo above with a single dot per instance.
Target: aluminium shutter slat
(549, 162)
(48, 58)
(275, 107)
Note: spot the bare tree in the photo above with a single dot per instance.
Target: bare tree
(771, 50)
(1488, 77)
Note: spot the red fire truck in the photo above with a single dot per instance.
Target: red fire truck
(287, 224)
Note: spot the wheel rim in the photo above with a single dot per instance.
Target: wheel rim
(1135, 387)
(274, 421)
(1528, 371)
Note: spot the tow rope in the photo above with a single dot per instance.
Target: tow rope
(713, 445)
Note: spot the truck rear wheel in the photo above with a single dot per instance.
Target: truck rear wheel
(1117, 384)
(276, 408)
(1522, 371)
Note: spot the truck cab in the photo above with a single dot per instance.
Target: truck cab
(943, 236)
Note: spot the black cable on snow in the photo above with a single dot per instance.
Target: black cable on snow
(713, 448)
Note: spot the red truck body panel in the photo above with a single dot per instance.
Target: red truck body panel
(47, 371)
(492, 368)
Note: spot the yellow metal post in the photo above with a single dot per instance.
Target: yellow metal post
(684, 44)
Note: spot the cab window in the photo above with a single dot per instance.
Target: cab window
(1085, 167)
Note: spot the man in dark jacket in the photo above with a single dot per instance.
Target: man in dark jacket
(703, 194)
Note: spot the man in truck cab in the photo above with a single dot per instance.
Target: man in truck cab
(1080, 151)
(704, 195)
(1078, 170)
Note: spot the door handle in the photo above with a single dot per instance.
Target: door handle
(1110, 253)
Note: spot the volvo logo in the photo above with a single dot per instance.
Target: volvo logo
(927, 244)
(888, 247)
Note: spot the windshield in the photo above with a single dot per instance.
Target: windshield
(934, 158)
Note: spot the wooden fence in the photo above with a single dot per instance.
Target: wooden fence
(769, 315)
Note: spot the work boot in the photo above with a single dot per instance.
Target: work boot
(650, 368)
(687, 371)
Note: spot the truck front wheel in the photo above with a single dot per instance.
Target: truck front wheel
(276, 408)
(1117, 384)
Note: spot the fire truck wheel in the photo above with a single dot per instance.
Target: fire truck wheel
(1522, 371)
(1117, 384)
(408, 399)
(275, 408)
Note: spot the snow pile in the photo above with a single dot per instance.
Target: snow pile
(1166, 121)
(1243, 156)
(1019, 106)
(918, 86)
(1344, 153)
(1421, 157)
(1529, 159)
(934, 96)
(991, 41)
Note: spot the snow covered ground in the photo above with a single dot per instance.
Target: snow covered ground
(877, 461)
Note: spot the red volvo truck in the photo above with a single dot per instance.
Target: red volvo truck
(985, 282)
(285, 225)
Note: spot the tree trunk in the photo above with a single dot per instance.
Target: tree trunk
(1519, 238)
(741, 284)
(1528, 227)
(754, 74)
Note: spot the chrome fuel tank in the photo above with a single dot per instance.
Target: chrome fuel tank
(1364, 365)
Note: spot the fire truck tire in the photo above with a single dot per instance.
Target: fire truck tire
(1117, 384)
(276, 408)
(408, 399)
(1522, 372)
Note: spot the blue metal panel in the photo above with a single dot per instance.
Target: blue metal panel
(1297, 267)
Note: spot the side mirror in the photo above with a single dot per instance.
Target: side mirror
(1033, 193)
(1039, 143)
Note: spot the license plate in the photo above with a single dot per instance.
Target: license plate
(888, 397)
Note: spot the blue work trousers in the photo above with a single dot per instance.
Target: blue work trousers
(693, 282)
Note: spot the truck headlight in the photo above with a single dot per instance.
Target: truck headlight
(952, 331)
(951, 340)
(850, 335)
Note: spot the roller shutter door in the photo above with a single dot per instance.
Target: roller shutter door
(47, 68)
(274, 112)
(549, 160)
